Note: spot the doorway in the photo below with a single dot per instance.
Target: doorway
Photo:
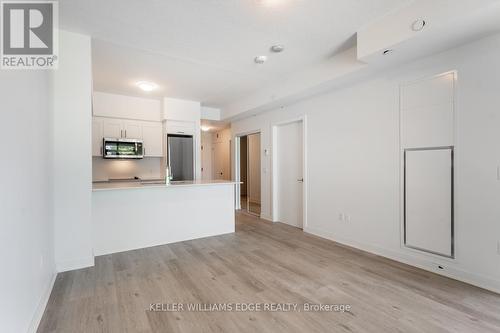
(249, 173)
(288, 173)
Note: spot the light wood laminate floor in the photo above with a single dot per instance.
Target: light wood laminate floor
(263, 263)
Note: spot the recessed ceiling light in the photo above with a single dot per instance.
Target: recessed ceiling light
(277, 48)
(260, 59)
(147, 86)
(388, 51)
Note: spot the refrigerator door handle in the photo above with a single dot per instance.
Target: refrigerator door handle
(168, 159)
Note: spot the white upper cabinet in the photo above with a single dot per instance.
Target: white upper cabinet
(153, 139)
(97, 136)
(148, 131)
(126, 107)
(112, 128)
(126, 117)
(132, 129)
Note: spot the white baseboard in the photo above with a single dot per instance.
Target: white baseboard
(478, 280)
(69, 265)
(42, 304)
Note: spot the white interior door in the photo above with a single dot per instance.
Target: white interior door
(221, 161)
(290, 178)
(206, 156)
(429, 200)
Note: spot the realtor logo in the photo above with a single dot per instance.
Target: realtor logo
(28, 34)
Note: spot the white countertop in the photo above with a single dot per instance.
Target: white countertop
(130, 185)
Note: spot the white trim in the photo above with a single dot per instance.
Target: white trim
(274, 169)
(42, 304)
(481, 281)
(70, 265)
(236, 165)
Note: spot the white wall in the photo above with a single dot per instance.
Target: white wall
(26, 239)
(146, 168)
(254, 167)
(72, 153)
(357, 172)
(210, 113)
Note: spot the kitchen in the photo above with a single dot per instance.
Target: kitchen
(146, 171)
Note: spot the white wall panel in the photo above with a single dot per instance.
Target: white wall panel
(428, 200)
(427, 112)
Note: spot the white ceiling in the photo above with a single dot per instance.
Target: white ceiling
(203, 49)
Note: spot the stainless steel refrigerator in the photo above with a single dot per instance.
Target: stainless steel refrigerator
(180, 156)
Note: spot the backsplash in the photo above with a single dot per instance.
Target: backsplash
(146, 168)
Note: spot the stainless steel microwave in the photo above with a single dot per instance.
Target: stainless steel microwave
(123, 148)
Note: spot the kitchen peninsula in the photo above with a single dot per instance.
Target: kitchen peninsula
(132, 215)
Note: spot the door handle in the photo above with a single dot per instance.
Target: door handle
(301, 180)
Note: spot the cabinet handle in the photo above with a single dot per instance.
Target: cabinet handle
(125, 133)
(121, 133)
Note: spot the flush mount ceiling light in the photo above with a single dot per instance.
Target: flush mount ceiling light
(205, 128)
(260, 59)
(277, 48)
(418, 25)
(270, 3)
(388, 51)
(147, 86)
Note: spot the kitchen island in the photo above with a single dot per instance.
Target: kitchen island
(133, 215)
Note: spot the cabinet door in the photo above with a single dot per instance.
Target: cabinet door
(152, 135)
(97, 136)
(112, 128)
(132, 129)
(181, 127)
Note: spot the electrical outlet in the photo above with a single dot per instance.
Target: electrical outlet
(341, 217)
(347, 218)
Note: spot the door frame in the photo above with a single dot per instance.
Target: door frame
(275, 172)
(237, 176)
